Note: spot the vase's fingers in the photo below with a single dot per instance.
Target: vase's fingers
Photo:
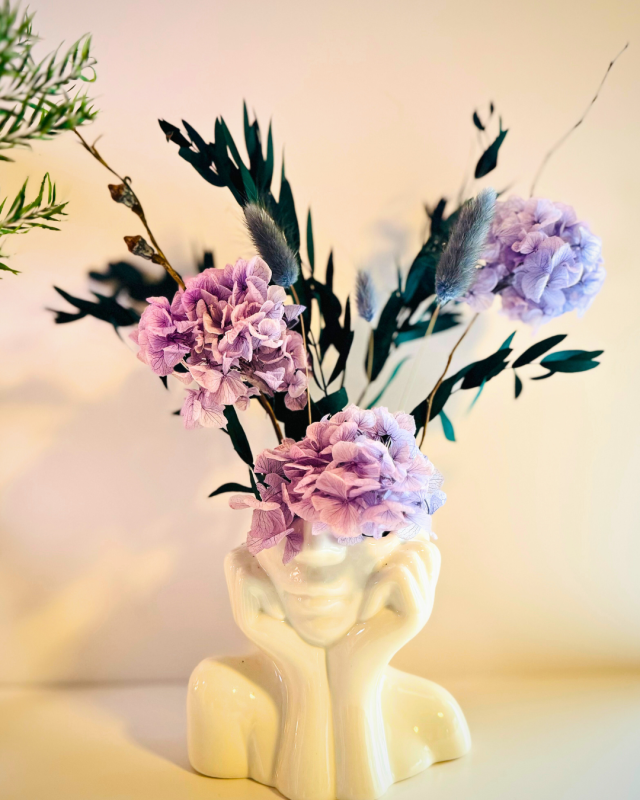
(251, 591)
(376, 595)
(407, 594)
(268, 599)
(395, 587)
(425, 565)
(413, 558)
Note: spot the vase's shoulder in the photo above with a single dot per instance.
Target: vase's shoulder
(423, 723)
(234, 717)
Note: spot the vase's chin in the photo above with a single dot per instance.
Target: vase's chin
(321, 621)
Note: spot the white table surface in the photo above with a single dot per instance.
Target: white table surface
(574, 738)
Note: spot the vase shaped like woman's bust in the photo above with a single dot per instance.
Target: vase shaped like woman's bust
(319, 713)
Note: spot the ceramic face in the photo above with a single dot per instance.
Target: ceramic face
(322, 588)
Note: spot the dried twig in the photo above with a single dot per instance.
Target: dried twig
(264, 402)
(124, 194)
(442, 377)
(563, 139)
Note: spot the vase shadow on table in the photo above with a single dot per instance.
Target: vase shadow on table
(156, 720)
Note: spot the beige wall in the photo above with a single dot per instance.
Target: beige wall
(111, 555)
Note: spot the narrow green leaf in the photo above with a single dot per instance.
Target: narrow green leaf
(268, 164)
(384, 332)
(476, 121)
(388, 382)
(518, 385)
(238, 436)
(489, 159)
(330, 404)
(310, 248)
(478, 393)
(572, 365)
(232, 487)
(571, 355)
(507, 341)
(538, 349)
(328, 281)
(447, 427)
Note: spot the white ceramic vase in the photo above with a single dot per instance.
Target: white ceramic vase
(318, 713)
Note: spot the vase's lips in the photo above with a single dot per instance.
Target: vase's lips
(320, 605)
(317, 589)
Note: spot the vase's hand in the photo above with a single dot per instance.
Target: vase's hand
(254, 600)
(396, 605)
(399, 597)
(304, 767)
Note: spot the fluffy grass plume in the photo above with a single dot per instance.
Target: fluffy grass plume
(365, 296)
(271, 244)
(457, 265)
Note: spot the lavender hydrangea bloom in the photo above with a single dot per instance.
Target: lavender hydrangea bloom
(358, 473)
(231, 330)
(540, 259)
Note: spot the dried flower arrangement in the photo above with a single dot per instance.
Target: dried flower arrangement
(261, 330)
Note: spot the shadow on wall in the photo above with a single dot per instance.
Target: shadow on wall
(109, 550)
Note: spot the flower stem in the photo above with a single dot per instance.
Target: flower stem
(442, 377)
(420, 353)
(304, 342)
(137, 209)
(369, 368)
(264, 402)
(314, 344)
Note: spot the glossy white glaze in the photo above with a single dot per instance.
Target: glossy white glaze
(319, 713)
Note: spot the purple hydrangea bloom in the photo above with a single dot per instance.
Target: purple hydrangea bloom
(540, 259)
(358, 473)
(230, 329)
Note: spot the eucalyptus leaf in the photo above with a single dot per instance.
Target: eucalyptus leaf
(384, 333)
(388, 382)
(572, 365)
(570, 355)
(507, 341)
(447, 427)
(538, 349)
(476, 121)
(485, 369)
(232, 487)
(310, 247)
(330, 404)
(238, 436)
(489, 159)
(518, 385)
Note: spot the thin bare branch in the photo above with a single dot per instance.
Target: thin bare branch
(564, 138)
(442, 377)
(136, 207)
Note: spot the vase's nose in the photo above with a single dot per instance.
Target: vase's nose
(320, 549)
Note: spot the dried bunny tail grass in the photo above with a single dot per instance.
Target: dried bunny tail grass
(457, 265)
(366, 301)
(271, 244)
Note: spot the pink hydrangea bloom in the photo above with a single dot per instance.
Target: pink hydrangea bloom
(358, 473)
(231, 330)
